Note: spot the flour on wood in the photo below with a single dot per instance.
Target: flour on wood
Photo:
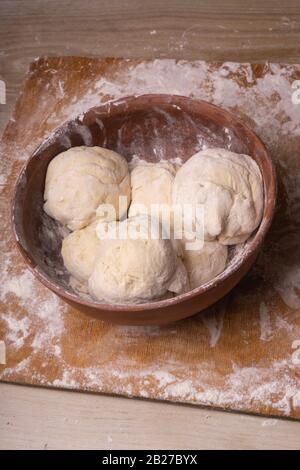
(35, 321)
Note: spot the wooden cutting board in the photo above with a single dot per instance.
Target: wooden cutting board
(242, 354)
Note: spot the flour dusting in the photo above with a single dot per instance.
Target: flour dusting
(267, 423)
(21, 286)
(45, 312)
(213, 321)
(288, 286)
(19, 330)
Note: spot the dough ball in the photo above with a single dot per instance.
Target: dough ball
(228, 187)
(79, 251)
(205, 264)
(151, 184)
(136, 268)
(79, 180)
(180, 282)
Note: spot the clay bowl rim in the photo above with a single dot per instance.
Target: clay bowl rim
(251, 246)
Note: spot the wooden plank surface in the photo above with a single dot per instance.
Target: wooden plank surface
(208, 29)
(31, 418)
(212, 30)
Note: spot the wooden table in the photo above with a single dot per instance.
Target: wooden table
(207, 29)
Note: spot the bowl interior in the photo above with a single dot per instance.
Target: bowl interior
(151, 127)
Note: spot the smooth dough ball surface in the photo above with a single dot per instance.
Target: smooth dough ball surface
(79, 251)
(205, 264)
(229, 188)
(79, 180)
(151, 184)
(135, 270)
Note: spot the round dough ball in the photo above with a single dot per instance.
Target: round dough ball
(135, 268)
(79, 251)
(79, 180)
(151, 183)
(228, 187)
(205, 264)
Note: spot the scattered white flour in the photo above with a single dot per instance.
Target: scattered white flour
(170, 76)
(21, 367)
(61, 88)
(66, 379)
(274, 386)
(266, 423)
(179, 389)
(283, 324)
(288, 286)
(47, 312)
(213, 321)
(163, 378)
(265, 323)
(51, 312)
(21, 286)
(136, 160)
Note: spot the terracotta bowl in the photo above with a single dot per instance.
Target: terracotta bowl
(151, 127)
